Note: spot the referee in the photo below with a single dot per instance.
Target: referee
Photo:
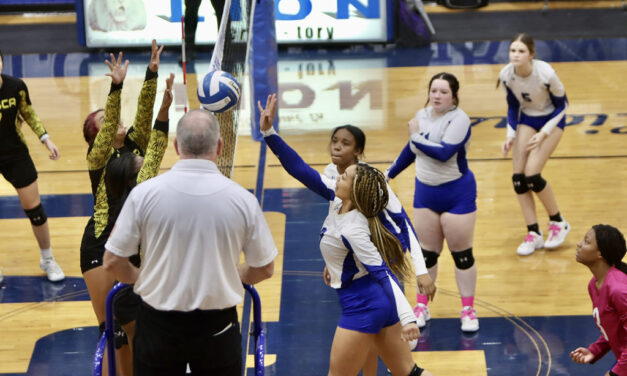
(192, 224)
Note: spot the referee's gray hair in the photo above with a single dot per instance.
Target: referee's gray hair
(197, 133)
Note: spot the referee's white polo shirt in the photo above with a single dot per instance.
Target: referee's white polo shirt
(192, 223)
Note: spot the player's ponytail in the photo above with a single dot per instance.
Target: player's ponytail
(370, 197)
(611, 244)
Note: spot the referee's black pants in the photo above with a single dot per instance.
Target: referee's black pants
(166, 341)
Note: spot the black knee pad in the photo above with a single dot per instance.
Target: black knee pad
(416, 371)
(463, 259)
(520, 184)
(36, 215)
(119, 336)
(431, 258)
(535, 182)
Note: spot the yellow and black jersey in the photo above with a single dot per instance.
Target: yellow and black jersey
(101, 151)
(14, 99)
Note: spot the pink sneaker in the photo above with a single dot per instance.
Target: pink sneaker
(532, 242)
(422, 314)
(557, 234)
(470, 322)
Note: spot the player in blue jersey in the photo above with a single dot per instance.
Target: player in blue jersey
(536, 107)
(347, 144)
(446, 191)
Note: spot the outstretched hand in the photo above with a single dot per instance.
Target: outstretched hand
(167, 99)
(118, 71)
(155, 56)
(267, 114)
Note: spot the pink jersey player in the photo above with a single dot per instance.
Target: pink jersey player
(602, 250)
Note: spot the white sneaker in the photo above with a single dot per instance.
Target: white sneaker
(470, 322)
(52, 269)
(422, 314)
(557, 234)
(532, 242)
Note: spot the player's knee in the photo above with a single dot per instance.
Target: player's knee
(463, 259)
(520, 184)
(37, 215)
(535, 182)
(431, 258)
(416, 371)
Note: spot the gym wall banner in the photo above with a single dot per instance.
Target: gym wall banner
(106, 23)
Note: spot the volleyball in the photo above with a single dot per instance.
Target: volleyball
(218, 92)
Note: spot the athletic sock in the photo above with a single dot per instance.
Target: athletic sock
(534, 227)
(46, 253)
(421, 298)
(468, 301)
(556, 217)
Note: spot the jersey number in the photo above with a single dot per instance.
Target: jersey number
(597, 319)
(526, 97)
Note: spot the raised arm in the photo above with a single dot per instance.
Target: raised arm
(101, 149)
(158, 137)
(290, 160)
(140, 132)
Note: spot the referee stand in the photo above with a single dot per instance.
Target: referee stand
(107, 339)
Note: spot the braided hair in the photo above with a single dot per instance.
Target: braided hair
(611, 244)
(370, 197)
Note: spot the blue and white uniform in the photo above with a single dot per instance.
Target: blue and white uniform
(538, 100)
(368, 290)
(369, 293)
(396, 220)
(444, 183)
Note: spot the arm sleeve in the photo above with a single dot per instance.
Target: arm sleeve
(558, 97)
(366, 252)
(145, 105)
(406, 158)
(156, 149)
(301, 171)
(28, 112)
(415, 250)
(125, 237)
(513, 110)
(259, 249)
(455, 137)
(102, 148)
(599, 348)
(619, 301)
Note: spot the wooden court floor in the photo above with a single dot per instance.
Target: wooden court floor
(587, 173)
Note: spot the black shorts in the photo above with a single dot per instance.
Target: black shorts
(165, 342)
(125, 305)
(18, 169)
(92, 248)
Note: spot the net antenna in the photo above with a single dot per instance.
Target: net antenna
(229, 55)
